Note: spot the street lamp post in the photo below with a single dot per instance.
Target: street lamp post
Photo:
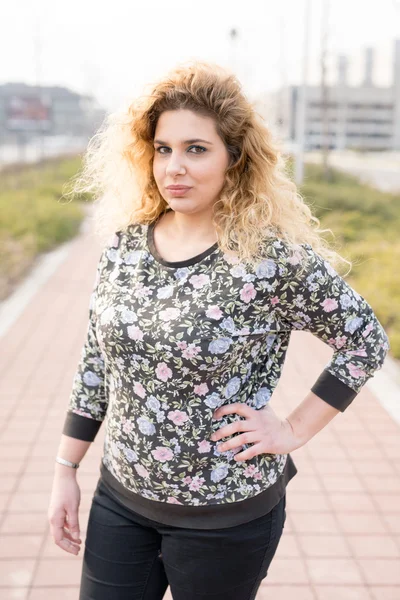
(233, 36)
(301, 101)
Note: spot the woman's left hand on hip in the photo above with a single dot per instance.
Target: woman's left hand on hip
(263, 428)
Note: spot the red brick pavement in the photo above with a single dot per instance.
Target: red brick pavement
(342, 535)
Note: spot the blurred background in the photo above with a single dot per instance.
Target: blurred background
(325, 76)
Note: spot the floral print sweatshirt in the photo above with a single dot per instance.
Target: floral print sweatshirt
(169, 342)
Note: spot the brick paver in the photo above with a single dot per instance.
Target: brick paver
(342, 535)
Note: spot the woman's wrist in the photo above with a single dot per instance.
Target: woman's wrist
(309, 417)
(64, 471)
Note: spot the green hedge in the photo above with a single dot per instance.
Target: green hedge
(34, 218)
(366, 225)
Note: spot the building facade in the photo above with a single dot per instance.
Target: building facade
(364, 117)
(26, 110)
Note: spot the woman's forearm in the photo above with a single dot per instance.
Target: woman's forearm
(310, 416)
(73, 450)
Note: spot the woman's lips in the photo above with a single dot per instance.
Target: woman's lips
(179, 191)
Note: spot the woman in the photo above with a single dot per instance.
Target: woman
(213, 260)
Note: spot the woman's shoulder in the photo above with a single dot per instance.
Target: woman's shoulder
(124, 234)
(281, 249)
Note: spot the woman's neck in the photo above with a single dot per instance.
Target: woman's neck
(196, 227)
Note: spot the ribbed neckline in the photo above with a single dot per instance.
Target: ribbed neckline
(174, 264)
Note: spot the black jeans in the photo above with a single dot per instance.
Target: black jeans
(130, 557)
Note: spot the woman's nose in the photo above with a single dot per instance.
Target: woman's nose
(175, 166)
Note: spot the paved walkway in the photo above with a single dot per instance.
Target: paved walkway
(342, 537)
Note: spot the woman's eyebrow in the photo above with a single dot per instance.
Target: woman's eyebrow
(185, 142)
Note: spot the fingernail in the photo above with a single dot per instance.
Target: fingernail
(75, 535)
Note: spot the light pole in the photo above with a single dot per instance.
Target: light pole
(302, 101)
(233, 36)
(38, 69)
(325, 113)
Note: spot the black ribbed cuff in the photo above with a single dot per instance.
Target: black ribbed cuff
(333, 391)
(81, 428)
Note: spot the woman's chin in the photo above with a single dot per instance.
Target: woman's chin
(186, 205)
(183, 204)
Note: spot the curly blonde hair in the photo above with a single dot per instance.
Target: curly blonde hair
(258, 199)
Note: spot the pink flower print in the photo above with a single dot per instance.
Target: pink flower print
(248, 292)
(142, 291)
(295, 259)
(329, 304)
(163, 372)
(331, 342)
(214, 312)
(134, 332)
(199, 281)
(201, 389)
(196, 483)
(162, 453)
(178, 417)
(203, 447)
(354, 371)
(181, 345)
(127, 427)
(257, 475)
(340, 341)
(82, 413)
(274, 300)
(141, 471)
(250, 470)
(359, 352)
(187, 480)
(244, 331)
(191, 351)
(368, 328)
(139, 389)
(170, 314)
(232, 259)
(172, 500)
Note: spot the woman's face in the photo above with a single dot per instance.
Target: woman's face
(189, 152)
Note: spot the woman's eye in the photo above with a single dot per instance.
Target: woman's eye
(201, 148)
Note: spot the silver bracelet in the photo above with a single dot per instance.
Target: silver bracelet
(67, 463)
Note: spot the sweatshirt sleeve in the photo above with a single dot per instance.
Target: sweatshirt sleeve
(318, 300)
(88, 400)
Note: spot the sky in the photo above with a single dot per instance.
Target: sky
(113, 49)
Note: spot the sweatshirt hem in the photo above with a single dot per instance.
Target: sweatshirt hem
(200, 517)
